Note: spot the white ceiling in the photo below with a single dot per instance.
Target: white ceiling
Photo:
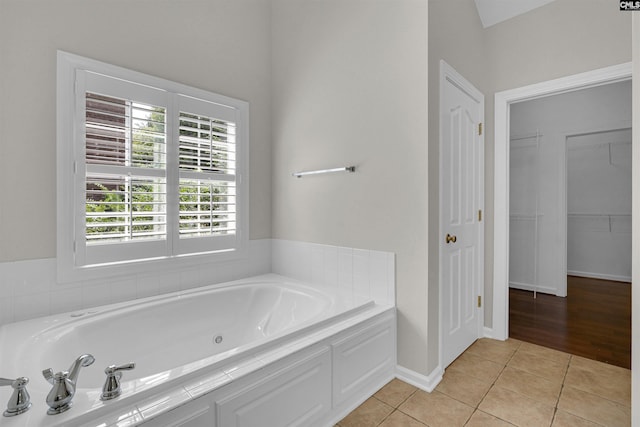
(493, 11)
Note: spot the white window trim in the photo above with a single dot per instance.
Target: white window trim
(68, 188)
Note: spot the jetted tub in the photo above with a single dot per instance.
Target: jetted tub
(171, 338)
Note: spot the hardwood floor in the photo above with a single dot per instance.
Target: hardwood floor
(593, 321)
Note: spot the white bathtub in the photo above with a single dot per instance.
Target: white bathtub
(175, 340)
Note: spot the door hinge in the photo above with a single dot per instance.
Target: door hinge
(479, 128)
(479, 301)
(479, 215)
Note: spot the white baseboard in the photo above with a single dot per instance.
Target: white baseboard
(426, 383)
(537, 288)
(600, 276)
(487, 332)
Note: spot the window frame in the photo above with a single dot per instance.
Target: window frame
(70, 197)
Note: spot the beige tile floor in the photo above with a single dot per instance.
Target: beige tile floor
(506, 383)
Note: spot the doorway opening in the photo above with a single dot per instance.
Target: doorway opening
(570, 222)
(504, 102)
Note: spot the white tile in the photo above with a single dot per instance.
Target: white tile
(33, 276)
(66, 300)
(211, 273)
(238, 370)
(300, 259)
(156, 405)
(31, 306)
(123, 290)
(147, 286)
(292, 259)
(278, 257)
(130, 421)
(123, 417)
(6, 310)
(331, 266)
(259, 257)
(345, 270)
(361, 270)
(6, 289)
(10, 276)
(289, 261)
(95, 294)
(169, 282)
(208, 383)
(317, 264)
(378, 266)
(190, 278)
(391, 277)
(221, 272)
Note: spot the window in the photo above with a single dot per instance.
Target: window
(148, 170)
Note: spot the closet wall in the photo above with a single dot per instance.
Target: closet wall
(555, 142)
(599, 205)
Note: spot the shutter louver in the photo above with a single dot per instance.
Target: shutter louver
(125, 158)
(207, 168)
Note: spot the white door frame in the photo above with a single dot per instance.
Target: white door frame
(449, 73)
(503, 99)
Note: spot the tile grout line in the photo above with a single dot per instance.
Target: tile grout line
(395, 408)
(496, 379)
(591, 392)
(492, 385)
(564, 378)
(403, 413)
(477, 408)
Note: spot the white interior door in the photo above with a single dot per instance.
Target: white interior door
(461, 201)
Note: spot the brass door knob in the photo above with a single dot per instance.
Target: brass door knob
(450, 238)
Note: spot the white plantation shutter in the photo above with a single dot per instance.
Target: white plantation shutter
(156, 173)
(122, 169)
(125, 159)
(207, 175)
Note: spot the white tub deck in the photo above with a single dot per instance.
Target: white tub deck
(171, 338)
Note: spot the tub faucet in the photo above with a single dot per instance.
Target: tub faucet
(64, 384)
(111, 388)
(20, 401)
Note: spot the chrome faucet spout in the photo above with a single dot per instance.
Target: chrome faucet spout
(64, 384)
(81, 362)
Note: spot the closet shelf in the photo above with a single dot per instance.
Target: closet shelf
(609, 217)
(598, 214)
(608, 145)
(530, 216)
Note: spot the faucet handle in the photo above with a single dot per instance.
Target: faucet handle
(111, 388)
(20, 401)
(48, 375)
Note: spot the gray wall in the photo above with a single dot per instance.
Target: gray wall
(217, 45)
(559, 39)
(350, 87)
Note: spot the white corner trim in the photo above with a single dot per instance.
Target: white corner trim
(487, 332)
(427, 383)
